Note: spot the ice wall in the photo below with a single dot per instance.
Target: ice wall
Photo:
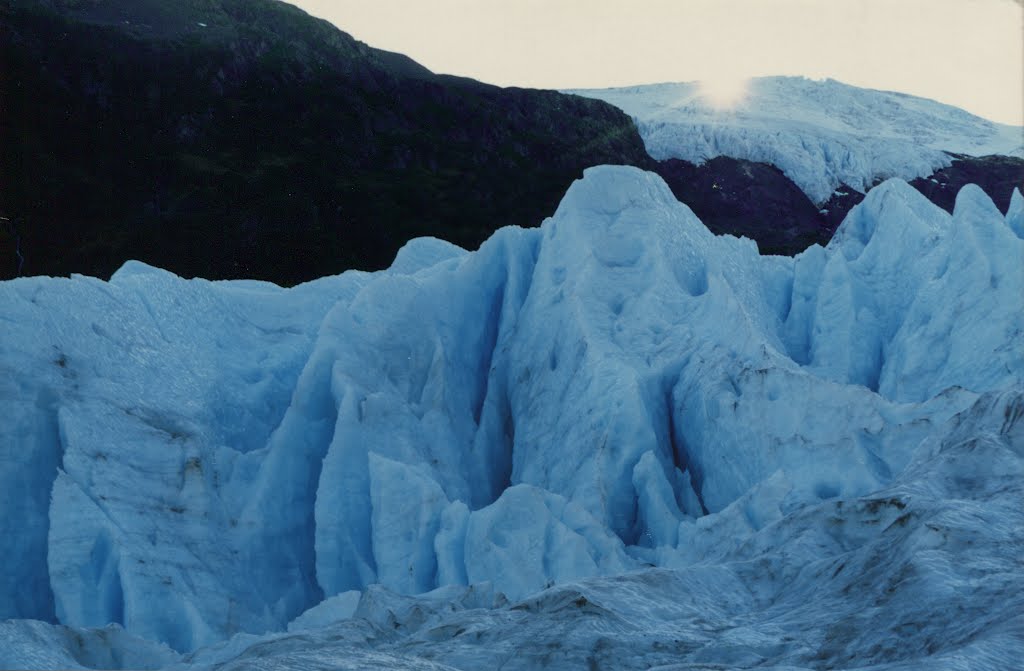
(568, 401)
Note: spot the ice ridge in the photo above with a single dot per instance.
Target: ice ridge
(579, 400)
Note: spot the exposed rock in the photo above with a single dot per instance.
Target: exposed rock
(749, 199)
(996, 175)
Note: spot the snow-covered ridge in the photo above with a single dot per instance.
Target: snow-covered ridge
(615, 390)
(821, 134)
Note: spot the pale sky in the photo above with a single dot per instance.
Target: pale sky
(968, 53)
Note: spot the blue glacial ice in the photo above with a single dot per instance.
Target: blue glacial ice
(821, 134)
(617, 419)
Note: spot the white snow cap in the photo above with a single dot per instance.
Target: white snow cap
(819, 133)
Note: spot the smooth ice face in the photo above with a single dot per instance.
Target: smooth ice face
(153, 399)
(1015, 214)
(529, 539)
(821, 134)
(616, 389)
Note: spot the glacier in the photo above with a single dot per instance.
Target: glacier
(615, 441)
(824, 135)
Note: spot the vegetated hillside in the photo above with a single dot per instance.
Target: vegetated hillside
(244, 138)
(228, 138)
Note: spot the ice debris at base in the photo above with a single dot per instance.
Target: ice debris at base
(618, 437)
(821, 134)
(31, 644)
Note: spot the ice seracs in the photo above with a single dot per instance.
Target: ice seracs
(141, 409)
(614, 390)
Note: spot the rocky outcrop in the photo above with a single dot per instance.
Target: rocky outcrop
(750, 199)
(758, 201)
(997, 175)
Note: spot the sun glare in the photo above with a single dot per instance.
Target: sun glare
(724, 93)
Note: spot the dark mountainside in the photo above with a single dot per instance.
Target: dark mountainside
(230, 138)
(244, 138)
(998, 175)
(758, 201)
(755, 200)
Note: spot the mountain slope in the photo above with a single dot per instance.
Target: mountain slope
(822, 135)
(228, 138)
(616, 390)
(749, 199)
(224, 138)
